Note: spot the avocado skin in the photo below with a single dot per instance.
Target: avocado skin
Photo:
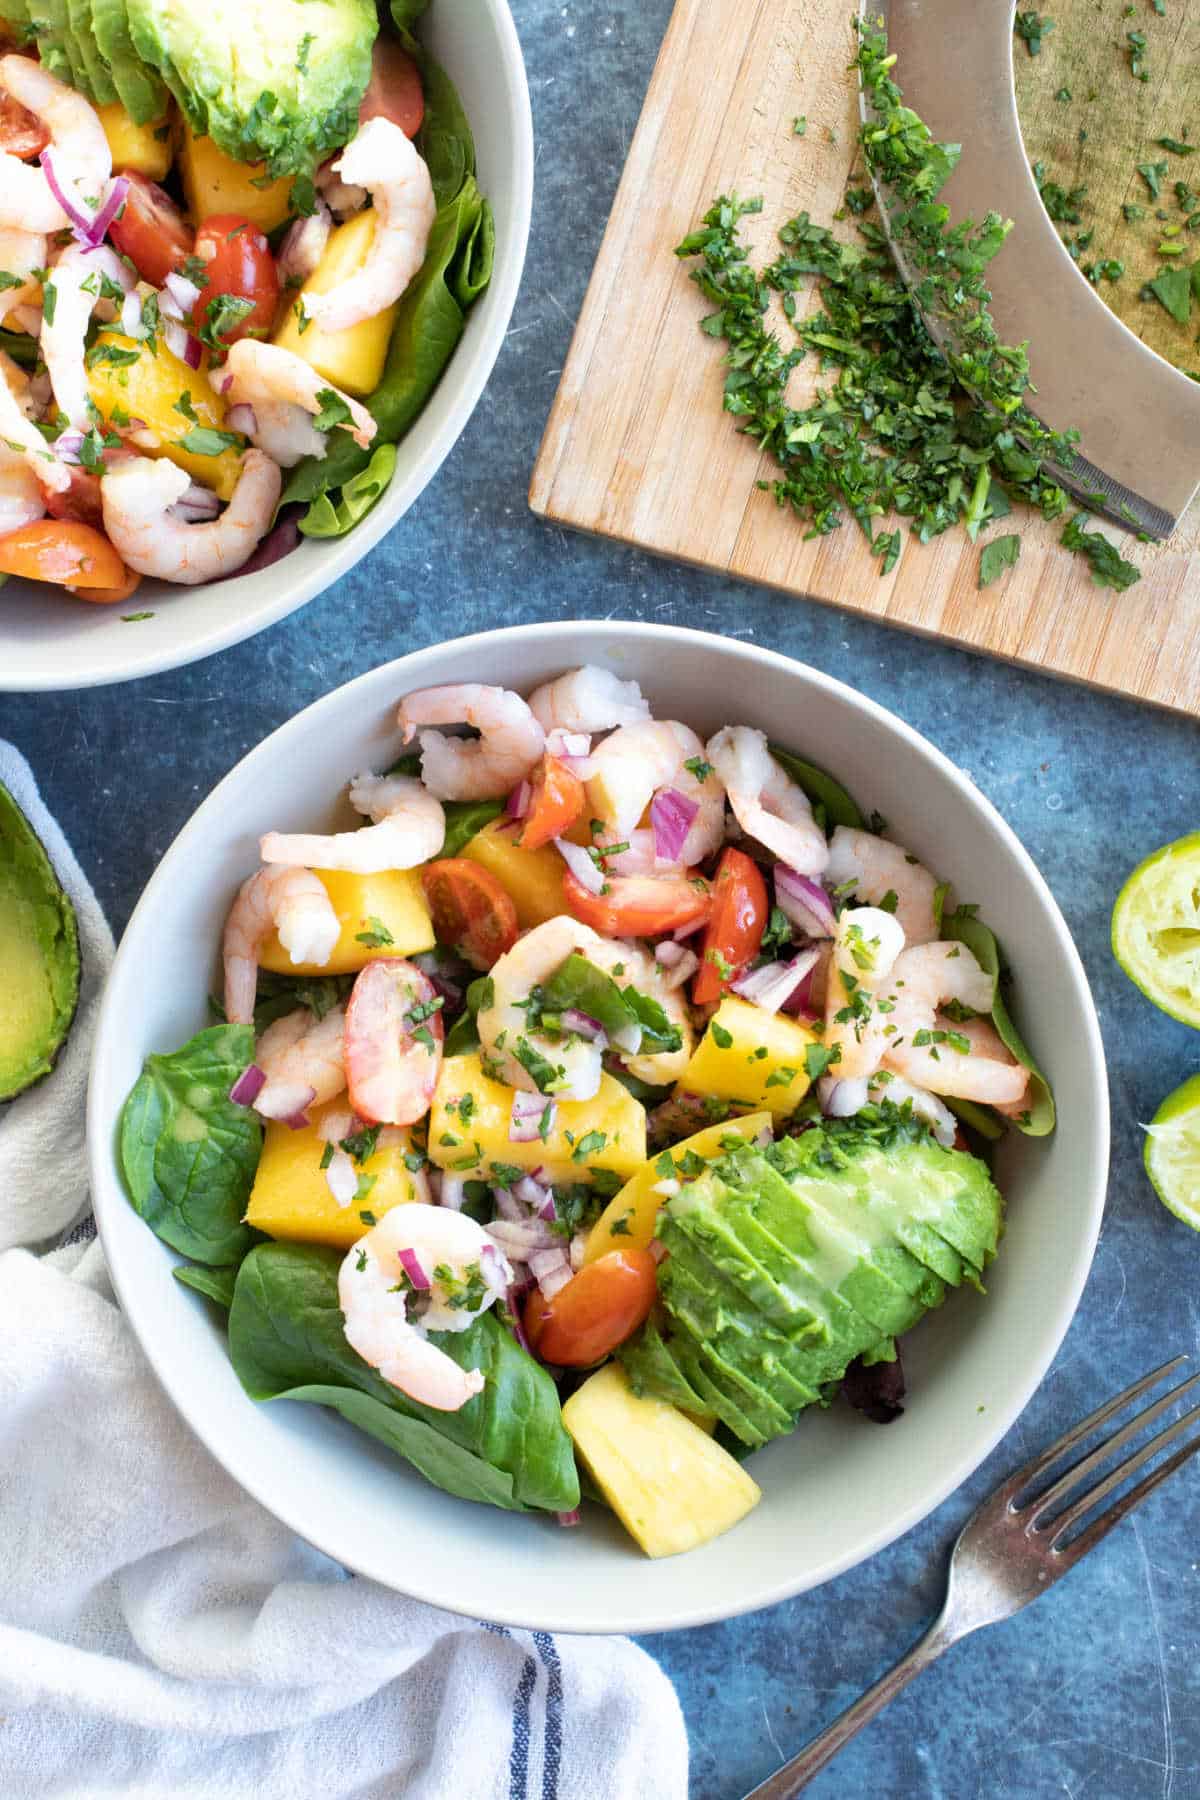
(39, 956)
(749, 1324)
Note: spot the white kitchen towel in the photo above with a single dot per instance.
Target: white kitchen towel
(163, 1638)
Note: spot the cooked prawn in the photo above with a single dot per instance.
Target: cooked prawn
(304, 1061)
(81, 156)
(21, 498)
(635, 764)
(286, 432)
(588, 699)
(20, 434)
(509, 744)
(409, 828)
(766, 802)
(393, 1042)
(630, 965)
(257, 372)
(879, 868)
(376, 1291)
(21, 252)
(925, 979)
(503, 1025)
(866, 948)
(137, 497)
(76, 278)
(884, 1085)
(292, 902)
(381, 159)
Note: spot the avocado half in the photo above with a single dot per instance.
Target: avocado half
(39, 955)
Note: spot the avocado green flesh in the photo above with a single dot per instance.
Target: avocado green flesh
(15, 14)
(98, 85)
(39, 956)
(47, 24)
(785, 1266)
(139, 89)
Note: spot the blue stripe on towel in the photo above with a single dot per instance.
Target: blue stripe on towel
(518, 1761)
(554, 1698)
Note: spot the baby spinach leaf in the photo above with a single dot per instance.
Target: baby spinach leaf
(831, 803)
(463, 1036)
(578, 985)
(982, 1119)
(217, 1284)
(279, 995)
(188, 1152)
(964, 928)
(286, 1341)
(332, 515)
(464, 818)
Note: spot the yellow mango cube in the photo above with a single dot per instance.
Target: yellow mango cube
(149, 389)
(607, 1132)
(363, 903)
(670, 1485)
(214, 183)
(291, 1197)
(146, 149)
(351, 359)
(750, 1055)
(628, 1221)
(532, 878)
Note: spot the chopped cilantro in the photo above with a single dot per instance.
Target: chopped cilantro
(721, 1038)
(376, 936)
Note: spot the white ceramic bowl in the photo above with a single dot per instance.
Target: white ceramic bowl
(839, 1488)
(48, 641)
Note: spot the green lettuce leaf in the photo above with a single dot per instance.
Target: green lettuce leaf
(332, 515)
(966, 929)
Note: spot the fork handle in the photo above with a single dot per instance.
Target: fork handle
(796, 1774)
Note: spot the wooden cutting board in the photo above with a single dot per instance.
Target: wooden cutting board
(638, 447)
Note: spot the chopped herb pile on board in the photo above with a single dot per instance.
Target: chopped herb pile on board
(941, 439)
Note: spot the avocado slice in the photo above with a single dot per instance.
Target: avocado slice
(39, 956)
(139, 88)
(15, 15)
(47, 22)
(99, 82)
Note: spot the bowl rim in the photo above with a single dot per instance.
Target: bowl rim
(108, 1191)
(357, 543)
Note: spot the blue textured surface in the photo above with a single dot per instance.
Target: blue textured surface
(1095, 1691)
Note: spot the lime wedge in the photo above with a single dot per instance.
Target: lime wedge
(1156, 928)
(1172, 1152)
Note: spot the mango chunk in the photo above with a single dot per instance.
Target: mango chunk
(351, 359)
(149, 388)
(291, 1197)
(607, 1132)
(143, 148)
(214, 183)
(532, 878)
(627, 1222)
(670, 1485)
(752, 1056)
(363, 903)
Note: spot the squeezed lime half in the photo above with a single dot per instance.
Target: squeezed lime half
(1172, 1153)
(1156, 928)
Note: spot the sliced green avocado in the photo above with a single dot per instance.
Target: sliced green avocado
(15, 15)
(47, 26)
(39, 956)
(786, 1265)
(99, 82)
(139, 88)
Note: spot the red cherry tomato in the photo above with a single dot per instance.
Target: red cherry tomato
(21, 132)
(471, 911)
(392, 1043)
(597, 1310)
(394, 90)
(638, 905)
(238, 261)
(80, 501)
(734, 931)
(557, 801)
(151, 230)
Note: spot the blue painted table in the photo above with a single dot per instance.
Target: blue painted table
(1096, 1691)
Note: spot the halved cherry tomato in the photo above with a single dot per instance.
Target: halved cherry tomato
(558, 799)
(597, 1309)
(392, 1042)
(80, 501)
(62, 551)
(151, 230)
(471, 911)
(239, 262)
(394, 90)
(21, 132)
(107, 596)
(734, 931)
(639, 905)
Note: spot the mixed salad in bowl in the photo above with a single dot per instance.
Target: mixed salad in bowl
(603, 1100)
(233, 266)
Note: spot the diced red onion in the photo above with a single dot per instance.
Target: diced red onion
(582, 766)
(628, 1039)
(525, 1122)
(452, 1191)
(303, 246)
(568, 1519)
(577, 1250)
(658, 1250)
(182, 344)
(297, 1121)
(671, 816)
(512, 1301)
(337, 1125)
(518, 801)
(775, 983)
(169, 308)
(68, 446)
(682, 932)
(563, 744)
(530, 1192)
(223, 382)
(506, 1204)
(341, 1177)
(88, 223)
(131, 316)
(581, 865)
(413, 1267)
(518, 1237)
(668, 953)
(841, 1099)
(248, 1086)
(584, 1026)
(548, 1210)
(551, 1269)
(196, 505)
(682, 971)
(242, 418)
(185, 293)
(286, 1100)
(114, 200)
(495, 1270)
(804, 901)
(762, 1138)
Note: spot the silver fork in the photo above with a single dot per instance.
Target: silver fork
(1009, 1552)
